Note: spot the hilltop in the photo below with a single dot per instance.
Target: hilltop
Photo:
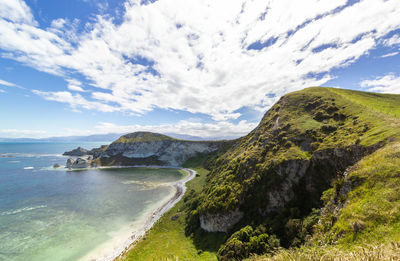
(145, 148)
(320, 169)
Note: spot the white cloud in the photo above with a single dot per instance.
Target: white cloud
(386, 84)
(200, 50)
(2, 91)
(389, 54)
(188, 127)
(75, 85)
(5, 83)
(394, 40)
(195, 128)
(16, 11)
(75, 101)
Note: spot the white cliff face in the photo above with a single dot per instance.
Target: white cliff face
(79, 163)
(220, 222)
(171, 152)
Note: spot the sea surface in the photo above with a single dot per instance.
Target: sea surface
(56, 214)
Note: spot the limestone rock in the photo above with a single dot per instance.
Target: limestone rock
(69, 163)
(81, 163)
(220, 222)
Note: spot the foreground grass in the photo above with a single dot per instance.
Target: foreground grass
(367, 253)
(368, 225)
(167, 239)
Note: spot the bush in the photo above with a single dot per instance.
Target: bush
(247, 241)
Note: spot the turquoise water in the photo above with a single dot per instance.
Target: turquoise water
(48, 214)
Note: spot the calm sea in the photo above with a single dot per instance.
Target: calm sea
(55, 214)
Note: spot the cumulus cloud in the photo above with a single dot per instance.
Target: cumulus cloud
(188, 127)
(389, 83)
(201, 56)
(195, 128)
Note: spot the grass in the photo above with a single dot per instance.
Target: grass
(389, 252)
(142, 137)
(166, 240)
(369, 222)
(372, 210)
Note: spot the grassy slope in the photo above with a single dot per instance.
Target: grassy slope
(142, 137)
(167, 240)
(368, 225)
(268, 145)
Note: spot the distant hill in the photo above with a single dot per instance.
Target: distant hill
(108, 138)
(148, 148)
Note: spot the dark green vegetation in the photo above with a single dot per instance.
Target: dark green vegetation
(142, 137)
(320, 154)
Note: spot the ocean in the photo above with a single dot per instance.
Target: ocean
(56, 214)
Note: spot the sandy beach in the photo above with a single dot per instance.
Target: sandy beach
(123, 239)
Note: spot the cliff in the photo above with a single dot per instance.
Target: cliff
(146, 148)
(275, 176)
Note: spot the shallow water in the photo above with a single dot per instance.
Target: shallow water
(48, 214)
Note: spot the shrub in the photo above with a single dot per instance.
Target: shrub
(246, 242)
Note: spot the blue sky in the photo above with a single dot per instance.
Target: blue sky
(204, 68)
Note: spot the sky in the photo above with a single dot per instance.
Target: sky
(199, 67)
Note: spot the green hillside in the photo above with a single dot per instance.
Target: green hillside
(142, 137)
(321, 169)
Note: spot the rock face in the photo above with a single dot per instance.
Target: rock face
(145, 148)
(78, 152)
(220, 222)
(69, 163)
(79, 163)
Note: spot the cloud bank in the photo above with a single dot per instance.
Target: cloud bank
(200, 56)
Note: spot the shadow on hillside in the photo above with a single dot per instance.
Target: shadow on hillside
(205, 241)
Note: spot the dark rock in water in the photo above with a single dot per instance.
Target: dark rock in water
(76, 152)
(56, 166)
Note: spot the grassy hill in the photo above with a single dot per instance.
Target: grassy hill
(319, 173)
(142, 137)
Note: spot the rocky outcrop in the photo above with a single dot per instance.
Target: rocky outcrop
(69, 163)
(78, 152)
(155, 149)
(79, 163)
(220, 222)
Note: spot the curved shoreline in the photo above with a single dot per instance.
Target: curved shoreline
(151, 219)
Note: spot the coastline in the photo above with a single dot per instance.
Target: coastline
(109, 251)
